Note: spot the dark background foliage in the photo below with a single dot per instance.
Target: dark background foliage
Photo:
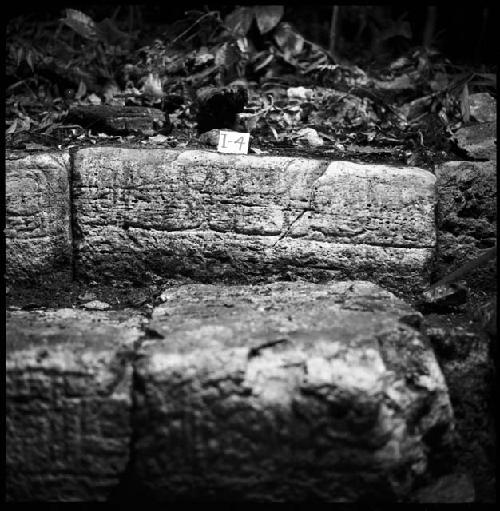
(464, 32)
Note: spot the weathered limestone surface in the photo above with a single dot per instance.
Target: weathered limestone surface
(466, 218)
(253, 393)
(479, 140)
(37, 223)
(208, 215)
(68, 403)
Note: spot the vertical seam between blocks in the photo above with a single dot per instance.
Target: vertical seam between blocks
(72, 213)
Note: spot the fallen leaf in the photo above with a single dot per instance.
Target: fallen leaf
(238, 21)
(268, 16)
(81, 23)
(82, 90)
(465, 104)
(12, 127)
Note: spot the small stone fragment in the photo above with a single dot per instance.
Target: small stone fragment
(478, 140)
(310, 137)
(138, 298)
(256, 150)
(299, 93)
(445, 296)
(483, 107)
(96, 305)
(210, 137)
(158, 139)
(402, 82)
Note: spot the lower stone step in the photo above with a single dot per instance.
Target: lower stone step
(285, 391)
(68, 403)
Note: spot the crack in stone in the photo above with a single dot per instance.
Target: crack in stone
(289, 228)
(126, 486)
(60, 159)
(314, 184)
(133, 239)
(75, 233)
(310, 207)
(253, 352)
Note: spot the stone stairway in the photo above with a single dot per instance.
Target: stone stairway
(250, 384)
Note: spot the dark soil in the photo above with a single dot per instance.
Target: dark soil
(397, 156)
(471, 378)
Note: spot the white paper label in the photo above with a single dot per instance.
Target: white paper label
(233, 142)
